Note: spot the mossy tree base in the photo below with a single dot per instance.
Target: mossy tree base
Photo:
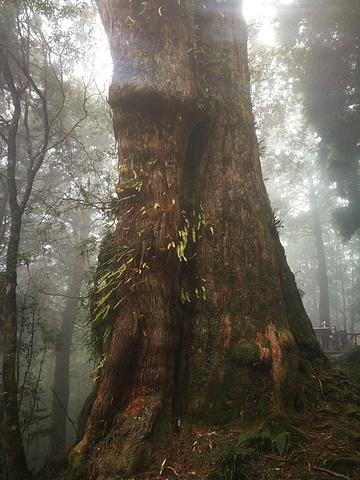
(319, 440)
(322, 444)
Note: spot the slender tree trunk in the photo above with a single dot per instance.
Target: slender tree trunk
(3, 206)
(14, 449)
(207, 323)
(3, 469)
(15, 454)
(343, 292)
(61, 385)
(354, 294)
(324, 302)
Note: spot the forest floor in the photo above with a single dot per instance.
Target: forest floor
(318, 443)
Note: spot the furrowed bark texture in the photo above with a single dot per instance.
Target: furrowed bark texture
(210, 329)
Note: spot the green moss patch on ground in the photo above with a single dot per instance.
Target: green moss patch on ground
(348, 363)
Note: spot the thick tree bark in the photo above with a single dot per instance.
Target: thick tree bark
(210, 328)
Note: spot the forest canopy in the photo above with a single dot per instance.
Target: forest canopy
(323, 40)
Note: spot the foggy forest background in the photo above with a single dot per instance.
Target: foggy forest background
(306, 100)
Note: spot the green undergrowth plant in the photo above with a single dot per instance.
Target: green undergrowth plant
(113, 272)
(189, 234)
(348, 363)
(232, 456)
(229, 464)
(193, 228)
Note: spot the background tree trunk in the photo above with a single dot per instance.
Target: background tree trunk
(324, 302)
(14, 450)
(61, 385)
(3, 469)
(210, 328)
(3, 207)
(15, 454)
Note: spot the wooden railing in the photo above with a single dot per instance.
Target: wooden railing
(337, 342)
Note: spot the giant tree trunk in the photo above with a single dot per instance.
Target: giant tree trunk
(210, 328)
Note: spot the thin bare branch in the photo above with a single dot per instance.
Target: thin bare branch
(61, 405)
(331, 473)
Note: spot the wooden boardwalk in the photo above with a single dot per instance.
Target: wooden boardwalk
(335, 343)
